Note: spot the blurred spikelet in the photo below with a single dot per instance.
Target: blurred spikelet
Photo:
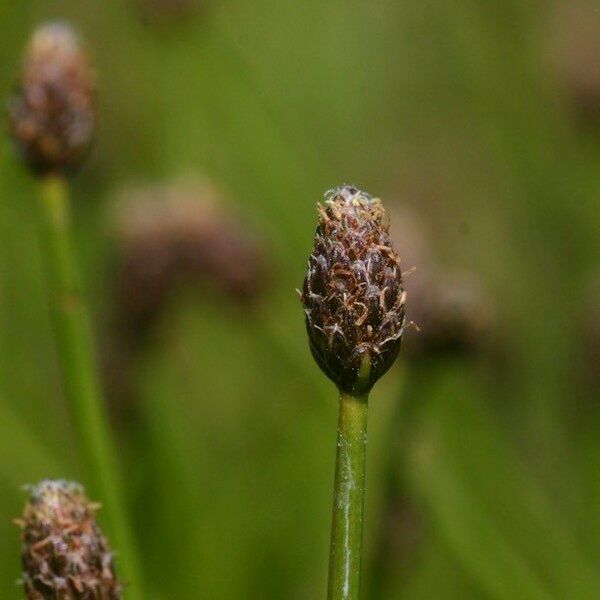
(65, 555)
(453, 315)
(172, 237)
(177, 235)
(449, 309)
(52, 115)
(576, 52)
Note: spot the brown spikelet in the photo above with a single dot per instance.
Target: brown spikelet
(177, 235)
(453, 316)
(449, 312)
(52, 115)
(64, 554)
(352, 294)
(174, 237)
(575, 39)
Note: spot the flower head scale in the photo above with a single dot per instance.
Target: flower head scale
(352, 294)
(64, 554)
(52, 116)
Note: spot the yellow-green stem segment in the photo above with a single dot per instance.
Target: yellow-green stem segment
(348, 496)
(80, 379)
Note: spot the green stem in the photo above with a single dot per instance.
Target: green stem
(76, 358)
(348, 498)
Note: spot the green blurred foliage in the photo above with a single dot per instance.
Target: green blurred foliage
(453, 108)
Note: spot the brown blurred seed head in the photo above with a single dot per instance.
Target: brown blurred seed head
(182, 234)
(576, 47)
(64, 554)
(52, 116)
(453, 316)
(352, 294)
(450, 312)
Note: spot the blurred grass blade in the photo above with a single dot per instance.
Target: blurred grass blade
(75, 352)
(24, 458)
(490, 508)
(470, 532)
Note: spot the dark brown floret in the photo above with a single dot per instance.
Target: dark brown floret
(352, 294)
(64, 554)
(52, 115)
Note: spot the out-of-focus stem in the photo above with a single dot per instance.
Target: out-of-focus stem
(80, 380)
(348, 497)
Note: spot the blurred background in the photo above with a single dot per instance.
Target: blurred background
(221, 124)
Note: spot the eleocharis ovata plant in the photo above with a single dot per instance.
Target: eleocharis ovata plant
(52, 120)
(354, 305)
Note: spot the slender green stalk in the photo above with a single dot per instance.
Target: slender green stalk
(75, 352)
(348, 496)
(348, 499)
(352, 281)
